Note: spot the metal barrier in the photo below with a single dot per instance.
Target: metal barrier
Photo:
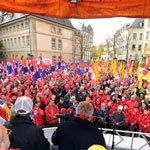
(121, 142)
(141, 141)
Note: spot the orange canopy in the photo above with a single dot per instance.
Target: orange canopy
(83, 9)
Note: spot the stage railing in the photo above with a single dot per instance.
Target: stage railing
(140, 142)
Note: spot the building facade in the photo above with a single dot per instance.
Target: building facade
(121, 42)
(146, 38)
(83, 43)
(25, 35)
(132, 40)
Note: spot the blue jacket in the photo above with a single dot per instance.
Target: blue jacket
(103, 113)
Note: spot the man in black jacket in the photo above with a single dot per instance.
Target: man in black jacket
(79, 133)
(25, 134)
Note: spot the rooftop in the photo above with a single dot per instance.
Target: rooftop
(9, 17)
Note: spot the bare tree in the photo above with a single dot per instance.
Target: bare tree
(110, 45)
(83, 41)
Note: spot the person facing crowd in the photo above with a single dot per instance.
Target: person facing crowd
(25, 134)
(78, 133)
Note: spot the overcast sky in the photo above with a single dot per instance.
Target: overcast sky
(103, 28)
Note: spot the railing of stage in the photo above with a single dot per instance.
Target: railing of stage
(142, 138)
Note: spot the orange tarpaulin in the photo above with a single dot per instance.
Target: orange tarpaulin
(83, 9)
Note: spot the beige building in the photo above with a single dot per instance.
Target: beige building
(146, 38)
(129, 40)
(25, 35)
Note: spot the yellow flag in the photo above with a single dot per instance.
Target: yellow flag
(27, 65)
(104, 66)
(111, 67)
(107, 64)
(96, 72)
(130, 70)
(138, 70)
(148, 77)
(91, 61)
(141, 80)
(7, 113)
(97, 60)
(120, 68)
(114, 68)
(122, 74)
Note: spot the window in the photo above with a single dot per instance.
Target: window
(22, 26)
(0, 31)
(3, 31)
(23, 41)
(141, 36)
(19, 42)
(15, 42)
(11, 43)
(146, 45)
(134, 36)
(28, 41)
(59, 31)
(10, 29)
(6, 30)
(18, 27)
(5, 43)
(8, 45)
(14, 28)
(147, 35)
(27, 25)
(53, 29)
(140, 47)
(54, 43)
(54, 58)
(59, 44)
(133, 47)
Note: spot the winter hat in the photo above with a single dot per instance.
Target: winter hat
(23, 105)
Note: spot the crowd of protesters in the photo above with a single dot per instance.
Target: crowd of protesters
(116, 102)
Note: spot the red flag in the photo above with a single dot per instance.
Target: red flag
(128, 64)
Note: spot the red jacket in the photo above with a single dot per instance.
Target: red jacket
(106, 102)
(49, 114)
(144, 120)
(127, 115)
(3, 113)
(46, 100)
(38, 119)
(134, 116)
(132, 104)
(30, 96)
(102, 96)
(124, 102)
(97, 105)
(115, 106)
(18, 94)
